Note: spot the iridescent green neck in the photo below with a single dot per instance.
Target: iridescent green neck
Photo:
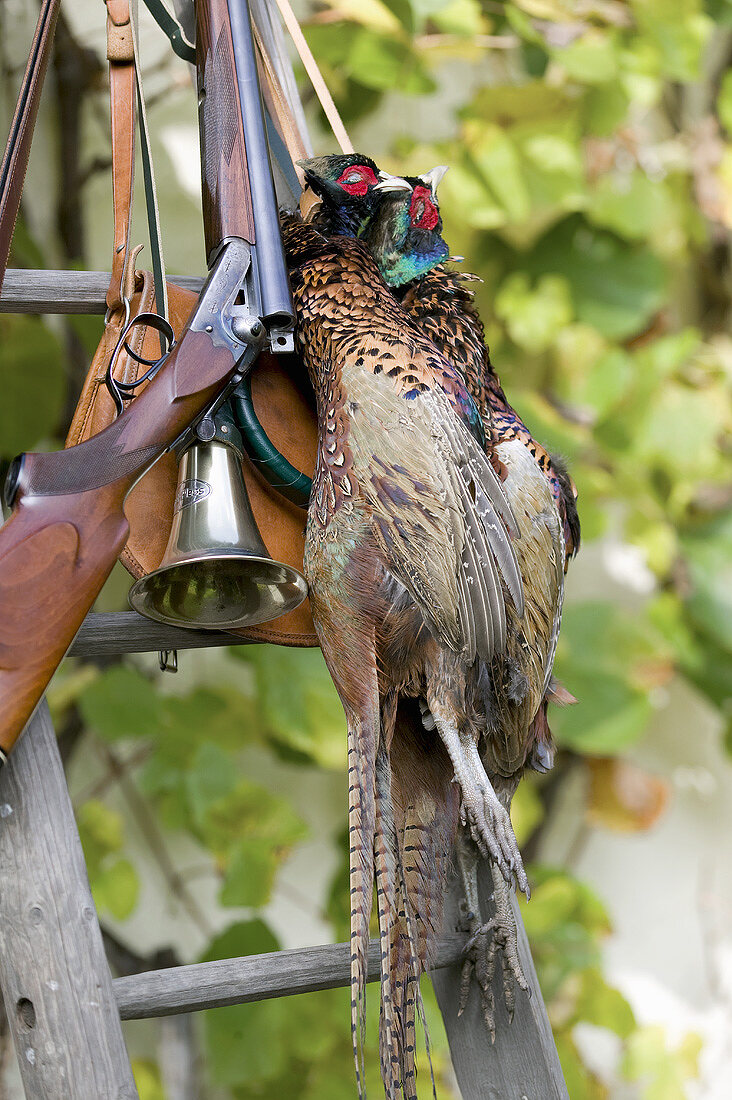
(402, 266)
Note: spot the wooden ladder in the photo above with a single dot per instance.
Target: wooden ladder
(64, 1009)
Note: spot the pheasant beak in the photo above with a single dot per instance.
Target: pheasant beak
(392, 183)
(433, 178)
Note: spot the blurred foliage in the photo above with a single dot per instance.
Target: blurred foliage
(590, 147)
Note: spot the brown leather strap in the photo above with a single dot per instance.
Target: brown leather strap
(17, 152)
(316, 77)
(121, 56)
(277, 105)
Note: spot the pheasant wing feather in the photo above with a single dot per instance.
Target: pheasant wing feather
(431, 491)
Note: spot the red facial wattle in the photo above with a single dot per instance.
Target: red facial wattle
(422, 211)
(357, 179)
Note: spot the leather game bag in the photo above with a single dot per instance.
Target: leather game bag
(282, 402)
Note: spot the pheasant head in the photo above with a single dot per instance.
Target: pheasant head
(349, 186)
(405, 233)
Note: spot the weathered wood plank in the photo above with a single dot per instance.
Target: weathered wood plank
(252, 978)
(523, 1061)
(31, 291)
(104, 634)
(54, 976)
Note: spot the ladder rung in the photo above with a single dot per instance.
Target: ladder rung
(31, 291)
(252, 978)
(104, 634)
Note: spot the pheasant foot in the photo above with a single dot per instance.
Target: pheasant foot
(481, 810)
(490, 941)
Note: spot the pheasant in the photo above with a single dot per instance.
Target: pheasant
(542, 496)
(402, 228)
(414, 580)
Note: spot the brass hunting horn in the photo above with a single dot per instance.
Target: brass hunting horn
(216, 573)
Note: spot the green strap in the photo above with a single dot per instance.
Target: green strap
(151, 200)
(170, 27)
(281, 474)
(153, 226)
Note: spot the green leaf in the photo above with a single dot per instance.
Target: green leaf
(533, 104)
(246, 1042)
(376, 61)
(710, 670)
(606, 382)
(677, 32)
(333, 42)
(383, 63)
(466, 190)
(307, 719)
(604, 108)
(615, 288)
(120, 703)
(462, 17)
(229, 717)
(581, 1083)
(248, 809)
(609, 718)
(250, 874)
(591, 59)
(147, 1079)
(709, 565)
(724, 102)
(251, 832)
(100, 830)
(564, 922)
(647, 1058)
(250, 937)
(32, 382)
(212, 776)
(116, 889)
(497, 161)
(600, 650)
(534, 315)
(601, 1005)
(631, 205)
(374, 14)
(114, 882)
(527, 811)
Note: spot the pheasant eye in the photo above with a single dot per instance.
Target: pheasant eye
(422, 211)
(356, 179)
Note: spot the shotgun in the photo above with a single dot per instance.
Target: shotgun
(68, 524)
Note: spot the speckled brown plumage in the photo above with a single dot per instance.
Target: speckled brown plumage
(442, 303)
(414, 581)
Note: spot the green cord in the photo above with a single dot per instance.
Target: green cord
(281, 474)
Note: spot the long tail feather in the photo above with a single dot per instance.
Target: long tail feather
(362, 740)
(387, 901)
(416, 818)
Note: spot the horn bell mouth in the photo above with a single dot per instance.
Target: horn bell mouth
(221, 590)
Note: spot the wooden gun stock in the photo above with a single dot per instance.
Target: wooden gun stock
(68, 525)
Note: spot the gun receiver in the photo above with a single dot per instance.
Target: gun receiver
(68, 524)
(238, 193)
